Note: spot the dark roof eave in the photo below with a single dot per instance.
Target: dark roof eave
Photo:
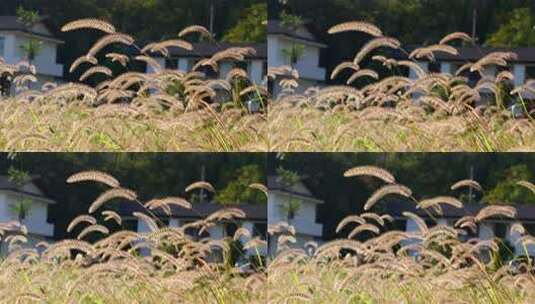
(297, 37)
(176, 56)
(32, 33)
(472, 54)
(27, 193)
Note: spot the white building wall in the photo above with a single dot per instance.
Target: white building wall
(275, 57)
(32, 242)
(216, 232)
(254, 68)
(161, 62)
(9, 48)
(45, 61)
(256, 71)
(183, 64)
(446, 68)
(486, 232)
(310, 73)
(304, 220)
(36, 219)
(519, 70)
(307, 64)
(224, 68)
(423, 64)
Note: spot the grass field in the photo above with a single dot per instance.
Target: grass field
(162, 265)
(404, 128)
(373, 262)
(391, 103)
(128, 127)
(116, 106)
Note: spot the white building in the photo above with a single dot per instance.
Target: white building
(304, 219)
(255, 221)
(36, 220)
(523, 67)
(487, 230)
(14, 34)
(281, 38)
(184, 60)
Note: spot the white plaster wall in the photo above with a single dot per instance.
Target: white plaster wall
(216, 232)
(519, 70)
(275, 58)
(310, 72)
(225, 67)
(32, 242)
(423, 64)
(254, 68)
(307, 64)
(183, 64)
(256, 72)
(446, 68)
(161, 62)
(486, 231)
(36, 219)
(304, 220)
(46, 59)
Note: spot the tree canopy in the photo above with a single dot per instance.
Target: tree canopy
(413, 22)
(145, 20)
(427, 174)
(517, 30)
(251, 28)
(151, 175)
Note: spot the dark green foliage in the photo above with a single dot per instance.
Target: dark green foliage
(145, 20)
(517, 30)
(151, 175)
(427, 174)
(506, 190)
(237, 191)
(251, 28)
(413, 22)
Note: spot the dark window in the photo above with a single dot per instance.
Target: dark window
(473, 77)
(130, 225)
(291, 215)
(241, 65)
(271, 86)
(230, 229)
(171, 64)
(209, 72)
(400, 225)
(430, 223)
(503, 68)
(260, 229)
(206, 69)
(194, 232)
(469, 234)
(530, 228)
(500, 230)
(264, 67)
(2, 48)
(530, 72)
(434, 67)
(191, 231)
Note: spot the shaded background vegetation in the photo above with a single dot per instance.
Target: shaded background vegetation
(147, 20)
(427, 174)
(498, 22)
(151, 175)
